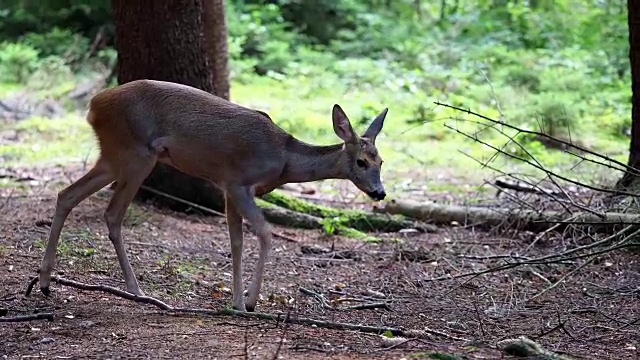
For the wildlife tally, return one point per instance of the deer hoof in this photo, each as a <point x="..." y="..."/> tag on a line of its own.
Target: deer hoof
<point x="45" y="291"/>
<point x="251" y="308"/>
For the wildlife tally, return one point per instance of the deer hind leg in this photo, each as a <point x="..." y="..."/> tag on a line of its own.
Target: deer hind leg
<point x="97" y="178"/>
<point x="138" y="167"/>
<point x="234" y="223"/>
<point x="247" y="208"/>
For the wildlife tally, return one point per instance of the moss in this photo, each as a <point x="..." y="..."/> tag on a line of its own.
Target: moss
<point x="329" y="226"/>
<point x="356" y="219"/>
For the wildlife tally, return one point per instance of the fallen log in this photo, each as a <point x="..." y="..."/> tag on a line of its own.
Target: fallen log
<point x="285" y="217"/>
<point x="518" y="219"/>
<point x="355" y="219"/>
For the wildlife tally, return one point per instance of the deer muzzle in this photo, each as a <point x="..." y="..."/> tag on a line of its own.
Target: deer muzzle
<point x="377" y="195"/>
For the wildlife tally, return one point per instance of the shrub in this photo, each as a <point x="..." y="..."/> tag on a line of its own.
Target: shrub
<point x="523" y="77"/>
<point x="17" y="61"/>
<point x="50" y="73"/>
<point x="59" y="42"/>
<point x="550" y="114"/>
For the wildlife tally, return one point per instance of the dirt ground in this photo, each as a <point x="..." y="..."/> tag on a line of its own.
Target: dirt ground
<point x="185" y="261"/>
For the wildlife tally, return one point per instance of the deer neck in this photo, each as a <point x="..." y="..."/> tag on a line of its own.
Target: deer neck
<point x="306" y="162"/>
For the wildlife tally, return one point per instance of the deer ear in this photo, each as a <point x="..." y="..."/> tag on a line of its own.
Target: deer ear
<point x="342" y="125"/>
<point x="376" y="125"/>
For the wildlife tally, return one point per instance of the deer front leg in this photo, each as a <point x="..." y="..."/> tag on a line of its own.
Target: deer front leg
<point x="130" y="179"/>
<point x="247" y="208"/>
<point x="234" y="223"/>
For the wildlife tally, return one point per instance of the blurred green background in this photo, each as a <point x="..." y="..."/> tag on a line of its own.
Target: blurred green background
<point x="556" y="66"/>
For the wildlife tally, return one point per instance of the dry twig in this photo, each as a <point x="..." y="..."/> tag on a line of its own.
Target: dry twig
<point x="556" y="258"/>
<point x="627" y="168"/>
<point x="282" y="337"/>
<point x="563" y="278"/>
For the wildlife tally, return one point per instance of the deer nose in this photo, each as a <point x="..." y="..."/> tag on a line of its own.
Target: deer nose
<point x="377" y="195"/>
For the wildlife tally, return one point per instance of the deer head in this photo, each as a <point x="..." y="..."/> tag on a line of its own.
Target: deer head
<point x="364" y="162"/>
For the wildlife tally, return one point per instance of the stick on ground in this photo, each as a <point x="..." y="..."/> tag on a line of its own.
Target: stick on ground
<point x="22" y="318"/>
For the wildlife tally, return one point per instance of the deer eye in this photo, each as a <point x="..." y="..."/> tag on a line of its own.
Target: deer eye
<point x="361" y="163"/>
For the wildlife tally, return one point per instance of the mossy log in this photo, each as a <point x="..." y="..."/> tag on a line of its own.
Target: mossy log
<point x="514" y="219"/>
<point x="285" y="217"/>
<point x="355" y="219"/>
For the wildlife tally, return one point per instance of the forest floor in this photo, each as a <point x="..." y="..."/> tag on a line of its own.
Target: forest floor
<point x="184" y="260"/>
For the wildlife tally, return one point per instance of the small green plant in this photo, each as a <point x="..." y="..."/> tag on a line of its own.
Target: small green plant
<point x="17" y="61"/>
<point x="135" y="215"/>
<point x="555" y="118"/>
<point x="548" y="113"/>
<point x="331" y="224"/>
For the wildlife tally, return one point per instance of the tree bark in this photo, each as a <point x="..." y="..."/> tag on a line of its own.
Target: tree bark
<point x="630" y="181"/>
<point x="215" y="34"/>
<point x="164" y="40"/>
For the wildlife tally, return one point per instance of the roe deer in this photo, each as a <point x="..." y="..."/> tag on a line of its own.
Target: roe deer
<point x="242" y="151"/>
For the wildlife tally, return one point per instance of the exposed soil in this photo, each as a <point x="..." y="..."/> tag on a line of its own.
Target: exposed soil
<point x="184" y="259"/>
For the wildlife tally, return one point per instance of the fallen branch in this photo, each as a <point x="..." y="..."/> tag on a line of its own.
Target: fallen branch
<point x="319" y="297"/>
<point x="378" y="305"/>
<point x="325" y="303"/>
<point x="516" y="219"/>
<point x="526" y="188"/>
<point x="22" y="318"/>
<point x="278" y="317"/>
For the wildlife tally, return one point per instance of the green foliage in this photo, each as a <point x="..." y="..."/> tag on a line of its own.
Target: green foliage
<point x="84" y="17"/>
<point x="560" y="67"/>
<point x="59" y="42"/>
<point x="260" y="33"/>
<point x="17" y="61"/>
<point x="528" y="79"/>
<point x="549" y="113"/>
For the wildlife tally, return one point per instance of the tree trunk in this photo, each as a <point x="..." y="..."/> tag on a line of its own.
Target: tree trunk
<point x="164" y="40"/>
<point x="630" y="181"/>
<point x="215" y="34"/>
